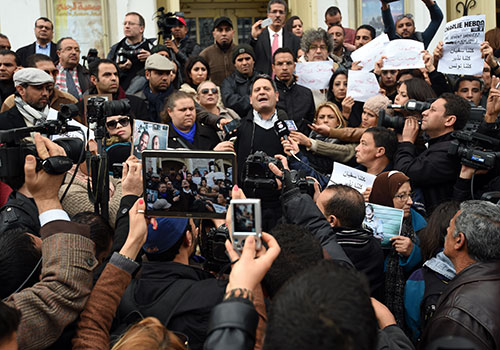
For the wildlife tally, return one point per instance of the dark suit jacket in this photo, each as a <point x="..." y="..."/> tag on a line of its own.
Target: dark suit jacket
<point x="262" y="48"/>
<point x="11" y="119"/>
<point x="26" y="51"/>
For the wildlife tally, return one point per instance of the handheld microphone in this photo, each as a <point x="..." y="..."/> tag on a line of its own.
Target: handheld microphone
<point x="281" y="129"/>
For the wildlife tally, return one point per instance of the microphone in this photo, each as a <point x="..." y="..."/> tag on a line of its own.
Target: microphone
<point x="281" y="129"/>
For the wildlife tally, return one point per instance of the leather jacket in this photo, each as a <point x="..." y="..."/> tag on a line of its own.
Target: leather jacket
<point x="469" y="308"/>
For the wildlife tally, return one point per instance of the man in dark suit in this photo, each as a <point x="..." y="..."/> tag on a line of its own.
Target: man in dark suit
<point x="34" y="88"/>
<point x="44" y="32"/>
<point x="267" y="40"/>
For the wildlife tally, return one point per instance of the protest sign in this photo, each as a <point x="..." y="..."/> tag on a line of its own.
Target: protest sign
<point x="462" y="46"/>
<point x="362" y="85"/>
<point x="403" y="54"/>
<point x="345" y="175"/>
<point x="384" y="222"/>
<point x="369" y="53"/>
<point x="314" y="75"/>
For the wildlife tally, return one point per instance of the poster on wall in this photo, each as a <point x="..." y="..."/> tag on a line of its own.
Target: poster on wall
<point x="83" y="21"/>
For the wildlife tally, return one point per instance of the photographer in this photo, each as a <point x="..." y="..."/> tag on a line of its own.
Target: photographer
<point x="484" y="180"/>
<point x="433" y="171"/>
<point x="49" y="304"/>
<point x="131" y="52"/>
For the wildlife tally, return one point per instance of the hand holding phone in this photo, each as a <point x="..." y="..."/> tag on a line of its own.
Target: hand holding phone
<point x="267" y="22"/>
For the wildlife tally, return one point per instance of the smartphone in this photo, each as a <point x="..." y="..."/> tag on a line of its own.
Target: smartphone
<point x="246" y="220"/>
<point x="231" y="126"/>
<point x="267" y="22"/>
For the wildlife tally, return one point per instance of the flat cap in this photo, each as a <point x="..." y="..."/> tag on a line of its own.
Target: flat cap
<point x="32" y="76"/>
<point x="158" y="62"/>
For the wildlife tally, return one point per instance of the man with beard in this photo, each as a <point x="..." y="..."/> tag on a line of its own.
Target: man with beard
<point x="34" y="87"/>
<point x="219" y="55"/>
<point x="340" y="54"/>
<point x="405" y="25"/>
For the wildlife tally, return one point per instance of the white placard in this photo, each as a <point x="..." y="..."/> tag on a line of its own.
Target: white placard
<point x="357" y="179"/>
<point x="362" y="85"/>
<point x="462" y="46"/>
<point x="371" y="52"/>
<point x="403" y="54"/>
<point x="314" y="75"/>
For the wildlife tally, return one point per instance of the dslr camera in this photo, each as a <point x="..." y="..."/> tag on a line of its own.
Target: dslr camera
<point x="14" y="147"/>
<point x="123" y="54"/>
<point x="98" y="109"/>
<point x="257" y="174"/>
<point x="213" y="249"/>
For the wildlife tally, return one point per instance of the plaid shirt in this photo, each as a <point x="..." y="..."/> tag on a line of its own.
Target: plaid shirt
<point x="61" y="79"/>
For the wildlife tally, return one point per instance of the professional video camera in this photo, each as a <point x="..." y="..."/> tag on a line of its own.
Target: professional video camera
<point x="14" y="148"/>
<point x="475" y="150"/>
<point x="213" y="249"/>
<point x="98" y="109"/>
<point x="398" y="122"/>
<point x="167" y="21"/>
<point x="257" y="174"/>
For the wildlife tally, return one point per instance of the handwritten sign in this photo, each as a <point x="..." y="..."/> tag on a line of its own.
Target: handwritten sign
<point x="462" y="46"/>
<point x="314" y="75"/>
<point x="403" y="54"/>
<point x="371" y="52"/>
<point x="345" y="175"/>
<point x="362" y="85"/>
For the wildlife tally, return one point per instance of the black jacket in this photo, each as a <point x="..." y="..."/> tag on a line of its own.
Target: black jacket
<point x="433" y="171"/>
<point x="298" y="103"/>
<point x="187" y="48"/>
<point x="205" y="138"/>
<point x="468" y="308"/>
<point x="235" y="92"/>
<point x="262" y="48"/>
<point x="11" y="119"/>
<point x="28" y="50"/>
<point x="159" y="281"/>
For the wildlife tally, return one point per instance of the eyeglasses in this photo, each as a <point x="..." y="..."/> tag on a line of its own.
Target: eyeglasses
<point x="403" y="197"/>
<point x="315" y="47"/>
<point x="406" y="15"/>
<point x="206" y="91"/>
<point x="113" y="123"/>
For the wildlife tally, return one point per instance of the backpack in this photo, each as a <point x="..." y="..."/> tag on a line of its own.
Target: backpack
<point x="19" y="211"/>
<point x="434" y="287"/>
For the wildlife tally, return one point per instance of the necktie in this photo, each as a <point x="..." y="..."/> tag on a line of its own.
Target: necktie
<point x="70" y="84"/>
<point x="275" y="45"/>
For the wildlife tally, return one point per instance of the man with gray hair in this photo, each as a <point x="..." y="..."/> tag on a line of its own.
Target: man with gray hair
<point x="468" y="307"/>
<point x="33" y="90"/>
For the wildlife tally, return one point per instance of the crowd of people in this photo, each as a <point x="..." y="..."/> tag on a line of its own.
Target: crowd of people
<point x="88" y="269"/>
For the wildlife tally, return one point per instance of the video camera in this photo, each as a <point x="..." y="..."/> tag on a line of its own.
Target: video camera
<point x="98" y="109"/>
<point x="475" y="150"/>
<point x="398" y="122"/>
<point x="91" y="57"/>
<point x="167" y="21"/>
<point x="213" y="249"/>
<point x="14" y="148"/>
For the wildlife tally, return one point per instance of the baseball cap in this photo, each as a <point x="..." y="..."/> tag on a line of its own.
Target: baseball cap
<point x="158" y="62"/>
<point x="31" y="76"/>
<point x="168" y="232"/>
<point x="181" y="19"/>
<point x="221" y="20"/>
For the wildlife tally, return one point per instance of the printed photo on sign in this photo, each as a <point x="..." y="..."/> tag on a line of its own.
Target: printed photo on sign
<point x="148" y="135"/>
<point x="384" y="222"/>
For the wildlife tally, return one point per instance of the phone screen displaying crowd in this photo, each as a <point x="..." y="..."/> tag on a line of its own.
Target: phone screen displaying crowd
<point x="188" y="184"/>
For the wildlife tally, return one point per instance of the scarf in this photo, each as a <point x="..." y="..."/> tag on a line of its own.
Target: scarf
<point x="189" y="136"/>
<point x="156" y="101"/>
<point x="264" y="124"/>
<point x="31" y="115"/>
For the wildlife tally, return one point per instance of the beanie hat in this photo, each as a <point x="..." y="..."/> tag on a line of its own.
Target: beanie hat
<point x="243" y="48"/>
<point x="376" y="103"/>
<point x="385" y="187"/>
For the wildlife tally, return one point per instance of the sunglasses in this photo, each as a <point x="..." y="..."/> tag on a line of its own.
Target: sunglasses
<point x="406" y="15"/>
<point x="206" y="91"/>
<point x="113" y="123"/>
